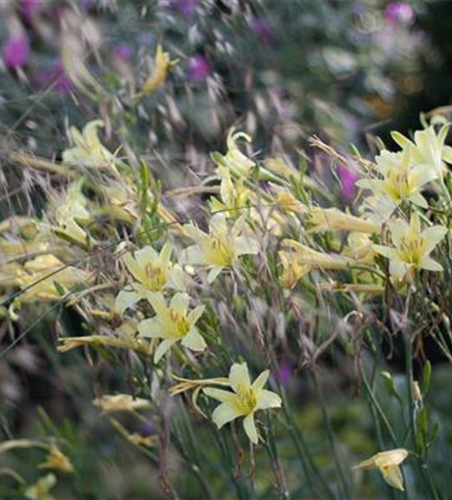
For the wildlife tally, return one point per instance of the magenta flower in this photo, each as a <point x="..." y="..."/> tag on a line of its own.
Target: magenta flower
<point x="263" y="31"/>
<point x="122" y="51"/>
<point x="56" y="77"/>
<point x="15" y="52"/>
<point x="285" y="375"/>
<point x="198" y="68"/>
<point x="30" y="8"/>
<point x="348" y="180"/>
<point x="399" y="13"/>
<point x="185" y="7"/>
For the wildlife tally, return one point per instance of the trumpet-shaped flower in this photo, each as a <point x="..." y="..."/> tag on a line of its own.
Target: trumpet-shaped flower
<point x="175" y="323"/>
<point x="429" y="150"/>
<point x="219" y="249"/>
<point x="88" y="151"/>
<point x="401" y="180"/>
<point x="412" y="247"/>
<point x="57" y="460"/>
<point x="162" y="66"/>
<point x="388" y="463"/>
<point x="41" y="489"/>
<point x="292" y="269"/>
<point x="153" y="272"/>
<point x="245" y="401"/>
<point x="120" y="402"/>
<point x="239" y="164"/>
<point x="234" y="196"/>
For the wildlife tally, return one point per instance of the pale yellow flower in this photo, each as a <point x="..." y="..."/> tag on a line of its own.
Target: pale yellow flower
<point x="41" y="489"/>
<point x="412" y="247"/>
<point x="239" y="164"/>
<point x="292" y="269"/>
<point x="219" y="249"/>
<point x="429" y="150"/>
<point x="162" y="66"/>
<point x="245" y="401"/>
<point x="154" y="273"/>
<point x="88" y="151"/>
<point x="402" y="181"/>
<point x="233" y="195"/>
<point x="312" y="259"/>
<point x="40" y="274"/>
<point x="175" y="323"/>
<point x="120" y="402"/>
<point x="332" y="219"/>
<point x="388" y="463"/>
<point x="57" y="460"/>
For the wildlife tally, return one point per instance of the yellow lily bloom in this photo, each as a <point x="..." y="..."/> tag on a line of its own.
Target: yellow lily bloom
<point x="245" y="401"/>
<point x="239" y="164"/>
<point x="311" y="259"/>
<point x="429" y="150"/>
<point x="219" y="249"/>
<point x="154" y="273"/>
<point x="234" y="196"/>
<point x="88" y="151"/>
<point x="401" y="180"/>
<point x="292" y="269"/>
<point x="120" y="402"/>
<point x="57" y="460"/>
<point x="173" y="324"/>
<point x="412" y="247"/>
<point x="388" y="463"/>
<point x="41" y="489"/>
<point x="40" y="274"/>
<point x="162" y="66"/>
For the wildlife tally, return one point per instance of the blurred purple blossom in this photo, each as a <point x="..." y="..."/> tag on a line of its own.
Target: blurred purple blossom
<point x="185" y="7"/>
<point x="263" y="31"/>
<point x="284" y="374"/>
<point x="30" y="8"/>
<point x="399" y="13"/>
<point x="57" y="77"/>
<point x="123" y="51"/>
<point x="147" y="428"/>
<point x="15" y="51"/>
<point x="348" y="180"/>
<point x="198" y="68"/>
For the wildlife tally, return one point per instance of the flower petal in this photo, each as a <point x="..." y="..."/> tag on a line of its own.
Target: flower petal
<point x="194" y="340"/>
<point x="151" y="328"/>
<point x="250" y="428"/>
<point x="180" y="302"/>
<point x="214" y="273"/>
<point x="224" y="413"/>
<point x="268" y="399"/>
<point x="163" y="348"/>
<point x="393" y="476"/>
<point x="219" y="394"/>
<point x="261" y="380"/>
<point x="246" y="246"/>
<point x="239" y="375"/>
<point x="126" y="299"/>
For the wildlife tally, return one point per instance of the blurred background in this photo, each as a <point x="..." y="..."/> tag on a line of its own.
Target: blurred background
<point x="346" y="71"/>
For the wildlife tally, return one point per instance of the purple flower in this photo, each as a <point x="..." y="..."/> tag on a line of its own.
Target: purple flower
<point x="147" y="428"/>
<point x="348" y="180"/>
<point x="198" y="68"/>
<point x="399" y="13"/>
<point x="15" y="52"/>
<point x="284" y="374"/>
<point x="263" y="31"/>
<point x="56" y="77"/>
<point x="30" y="8"/>
<point x="185" y="7"/>
<point x="122" y="51"/>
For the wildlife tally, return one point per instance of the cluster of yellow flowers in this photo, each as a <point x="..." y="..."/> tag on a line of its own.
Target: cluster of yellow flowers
<point x="387" y="223"/>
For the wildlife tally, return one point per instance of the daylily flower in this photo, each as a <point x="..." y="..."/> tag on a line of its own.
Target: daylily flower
<point x="245" y="401"/>
<point x="412" y="247"/>
<point x="154" y="273"/>
<point x="234" y="159"/>
<point x="57" y="460"/>
<point x="162" y="66"/>
<point x="175" y="323"/>
<point x="292" y="269"/>
<point x="219" y="249"/>
<point x="308" y="259"/>
<point x="234" y="196"/>
<point x="41" y="489"/>
<point x="388" y="463"/>
<point x="401" y="180"/>
<point x="429" y="149"/>
<point x="120" y="402"/>
<point x="88" y="150"/>
<point x="40" y="274"/>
